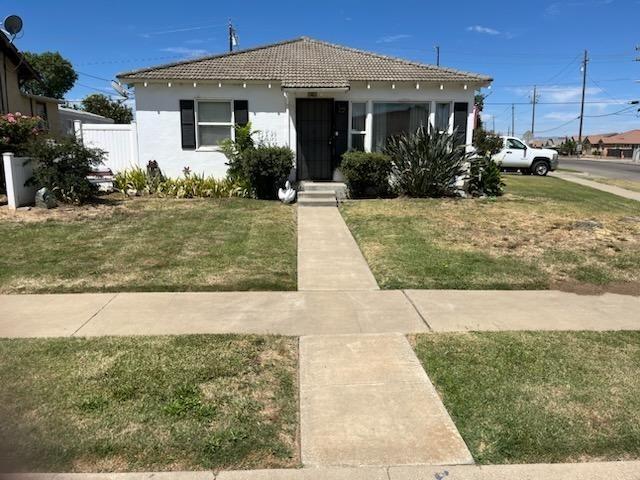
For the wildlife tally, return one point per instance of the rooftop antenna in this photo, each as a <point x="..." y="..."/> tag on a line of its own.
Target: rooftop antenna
<point x="117" y="86"/>
<point x="12" y="26"/>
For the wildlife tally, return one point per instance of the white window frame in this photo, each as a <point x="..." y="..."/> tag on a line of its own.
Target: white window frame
<point x="231" y="125"/>
<point x="358" y="132"/>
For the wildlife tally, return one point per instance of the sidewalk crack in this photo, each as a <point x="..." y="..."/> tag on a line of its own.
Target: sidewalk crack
<point x="94" y="315"/>
<point x="424" y="320"/>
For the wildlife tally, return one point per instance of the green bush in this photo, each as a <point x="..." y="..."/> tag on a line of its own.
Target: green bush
<point x="132" y="179"/>
<point x="190" y="186"/>
<point x="366" y="174"/>
<point x="485" y="178"/>
<point x="234" y="151"/>
<point x="425" y="164"/>
<point x="62" y="166"/>
<point x="17" y="131"/>
<point x="267" y="168"/>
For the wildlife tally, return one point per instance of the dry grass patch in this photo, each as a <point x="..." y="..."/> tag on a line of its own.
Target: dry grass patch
<point x="616" y="182"/>
<point x="150" y="244"/>
<point x="538" y="397"/>
<point x="148" y="403"/>
<point x="543" y="232"/>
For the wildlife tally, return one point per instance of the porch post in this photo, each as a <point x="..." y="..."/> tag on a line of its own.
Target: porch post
<point x="368" y="126"/>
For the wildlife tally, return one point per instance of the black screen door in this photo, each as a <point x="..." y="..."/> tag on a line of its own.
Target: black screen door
<point x="460" y="117"/>
<point x="314" y="127"/>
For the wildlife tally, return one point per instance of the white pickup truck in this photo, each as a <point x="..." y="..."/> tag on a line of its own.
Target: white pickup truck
<point x="516" y="155"/>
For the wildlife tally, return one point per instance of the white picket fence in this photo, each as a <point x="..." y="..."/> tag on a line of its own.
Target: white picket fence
<point x="120" y="142"/>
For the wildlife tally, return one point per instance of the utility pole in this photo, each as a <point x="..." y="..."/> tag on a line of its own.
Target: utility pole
<point x="534" y="100"/>
<point x="437" y="47"/>
<point x="584" y="89"/>
<point x="233" y="40"/>
<point x="513" y="119"/>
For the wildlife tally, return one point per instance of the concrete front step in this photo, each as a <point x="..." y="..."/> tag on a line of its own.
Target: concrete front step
<point x="323" y="194"/>
<point x="339" y="188"/>
<point x="317" y="202"/>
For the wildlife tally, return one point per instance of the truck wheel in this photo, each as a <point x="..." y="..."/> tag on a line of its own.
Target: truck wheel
<point x="540" y="168"/>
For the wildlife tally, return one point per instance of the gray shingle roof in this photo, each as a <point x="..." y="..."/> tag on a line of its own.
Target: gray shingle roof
<point x="303" y="62"/>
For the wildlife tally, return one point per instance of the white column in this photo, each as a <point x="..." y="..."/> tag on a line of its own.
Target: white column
<point x="368" y="126"/>
<point x="17" y="170"/>
<point x="77" y="128"/>
<point x="470" y="119"/>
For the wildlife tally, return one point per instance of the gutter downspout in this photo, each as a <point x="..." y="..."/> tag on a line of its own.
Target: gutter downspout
<point x="288" y="115"/>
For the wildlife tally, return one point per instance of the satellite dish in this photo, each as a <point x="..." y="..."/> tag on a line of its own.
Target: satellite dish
<point x="117" y="86"/>
<point x="13" y="25"/>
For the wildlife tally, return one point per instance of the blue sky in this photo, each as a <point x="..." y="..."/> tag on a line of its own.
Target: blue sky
<point x="518" y="43"/>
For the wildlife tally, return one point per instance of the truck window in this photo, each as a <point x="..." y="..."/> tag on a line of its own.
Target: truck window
<point x="516" y="144"/>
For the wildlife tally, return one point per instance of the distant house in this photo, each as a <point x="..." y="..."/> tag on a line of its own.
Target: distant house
<point x="68" y="117"/>
<point x="593" y="144"/>
<point x="318" y="98"/>
<point x="621" y="145"/>
<point x="14" y="71"/>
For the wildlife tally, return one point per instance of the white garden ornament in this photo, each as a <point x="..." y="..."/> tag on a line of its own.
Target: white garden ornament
<point x="288" y="195"/>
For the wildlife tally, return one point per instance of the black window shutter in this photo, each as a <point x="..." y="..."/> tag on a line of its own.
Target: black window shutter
<point x="241" y="112"/>
<point x="188" y="124"/>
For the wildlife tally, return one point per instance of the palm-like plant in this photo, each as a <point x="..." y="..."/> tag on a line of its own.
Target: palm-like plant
<point x="426" y="164"/>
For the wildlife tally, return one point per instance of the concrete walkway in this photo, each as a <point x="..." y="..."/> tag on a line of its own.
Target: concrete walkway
<point x="621" y="192"/>
<point x="312" y="313"/>
<point x="562" y="471"/>
<point x="328" y="256"/>
<point x="366" y="400"/>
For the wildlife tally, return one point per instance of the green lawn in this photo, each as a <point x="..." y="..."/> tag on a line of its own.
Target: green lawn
<point x="148" y="403"/>
<point x="544" y="233"/>
<point x="632" y="185"/>
<point x="539" y="397"/>
<point x="150" y="244"/>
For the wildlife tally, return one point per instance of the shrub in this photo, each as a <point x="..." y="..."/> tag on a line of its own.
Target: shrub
<point x="62" y="166"/>
<point x="191" y="185"/>
<point x="485" y="178"/>
<point x="267" y="168"/>
<point x="366" y="174"/>
<point x="425" y="164"/>
<point x="234" y="151"/>
<point x="132" y="179"/>
<point x="17" y="131"/>
<point x="199" y="186"/>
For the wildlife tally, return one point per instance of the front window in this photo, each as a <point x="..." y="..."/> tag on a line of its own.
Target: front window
<point x="515" y="144"/>
<point x="391" y="119"/>
<point x="358" y="122"/>
<point x="214" y="122"/>
<point x="443" y="112"/>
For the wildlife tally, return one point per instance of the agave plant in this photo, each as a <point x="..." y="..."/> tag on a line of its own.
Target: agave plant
<point x="426" y="164"/>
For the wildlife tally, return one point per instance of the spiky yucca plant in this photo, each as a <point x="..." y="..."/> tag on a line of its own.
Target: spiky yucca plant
<point x="425" y="164"/>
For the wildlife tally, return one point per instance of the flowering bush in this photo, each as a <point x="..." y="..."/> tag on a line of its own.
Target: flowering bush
<point x="17" y="131"/>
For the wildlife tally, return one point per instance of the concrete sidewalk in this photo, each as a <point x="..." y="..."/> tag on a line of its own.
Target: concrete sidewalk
<point x="328" y="256"/>
<point x="563" y="471"/>
<point x="312" y="313"/>
<point x="621" y="192"/>
<point x="366" y="400"/>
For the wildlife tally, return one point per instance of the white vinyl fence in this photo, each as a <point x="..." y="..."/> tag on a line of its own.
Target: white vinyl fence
<point x="120" y="142"/>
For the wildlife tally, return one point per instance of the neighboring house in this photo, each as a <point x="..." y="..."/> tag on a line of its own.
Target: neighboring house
<point x="318" y="98"/>
<point x="548" y="142"/>
<point x="593" y="144"/>
<point x="621" y="145"/>
<point x="14" y="71"/>
<point x="68" y="117"/>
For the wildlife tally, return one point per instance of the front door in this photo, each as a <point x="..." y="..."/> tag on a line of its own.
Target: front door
<point x="315" y="134"/>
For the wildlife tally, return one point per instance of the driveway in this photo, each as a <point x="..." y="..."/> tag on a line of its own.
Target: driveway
<point x="600" y="168"/>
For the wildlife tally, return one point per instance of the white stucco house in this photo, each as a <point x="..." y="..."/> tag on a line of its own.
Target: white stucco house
<point x="318" y="98"/>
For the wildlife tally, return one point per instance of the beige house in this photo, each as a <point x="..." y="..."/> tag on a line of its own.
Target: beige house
<point x="14" y="71"/>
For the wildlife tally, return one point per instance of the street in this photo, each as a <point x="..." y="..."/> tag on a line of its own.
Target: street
<point x="599" y="168"/>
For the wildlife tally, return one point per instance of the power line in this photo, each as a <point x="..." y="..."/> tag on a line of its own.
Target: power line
<point x="559" y="126"/>
<point x="600" y="102"/>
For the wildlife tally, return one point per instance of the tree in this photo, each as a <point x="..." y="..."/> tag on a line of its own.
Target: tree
<point x="58" y="75"/>
<point x="479" y="103"/>
<point x="102" y="105"/>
